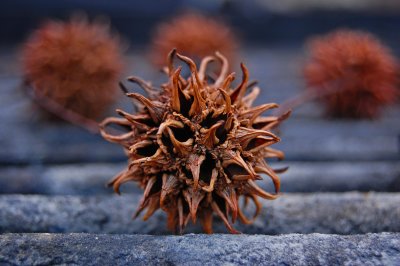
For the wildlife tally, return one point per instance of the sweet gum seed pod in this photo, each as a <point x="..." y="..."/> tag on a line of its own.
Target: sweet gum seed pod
<point x="76" y="64"/>
<point x="194" y="35"/>
<point x="196" y="146"/>
<point x="353" y="72"/>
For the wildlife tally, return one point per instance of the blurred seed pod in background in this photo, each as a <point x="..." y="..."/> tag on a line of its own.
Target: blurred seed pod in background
<point x="194" y="35"/>
<point x="353" y="73"/>
<point x="75" y="65"/>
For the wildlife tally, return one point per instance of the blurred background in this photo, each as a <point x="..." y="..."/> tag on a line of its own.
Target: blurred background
<point x="48" y="158"/>
<point x="257" y="21"/>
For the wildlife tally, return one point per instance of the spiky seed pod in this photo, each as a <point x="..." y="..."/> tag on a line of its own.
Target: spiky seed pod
<point x="195" y="147"/>
<point x="76" y="64"/>
<point x="195" y="35"/>
<point x="354" y="73"/>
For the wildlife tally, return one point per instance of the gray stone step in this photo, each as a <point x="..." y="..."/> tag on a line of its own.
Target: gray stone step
<point x="291" y="249"/>
<point x="333" y="213"/>
<point x="340" y="176"/>
<point x="41" y="143"/>
<point x="88" y="179"/>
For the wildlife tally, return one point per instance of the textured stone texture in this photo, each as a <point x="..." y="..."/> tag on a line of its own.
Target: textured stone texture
<point x="88" y="179"/>
<point x="293" y="249"/>
<point x="37" y="144"/>
<point x="340" y="176"/>
<point x="336" y="213"/>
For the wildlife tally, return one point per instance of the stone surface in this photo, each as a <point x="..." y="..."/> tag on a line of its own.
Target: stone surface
<point x="74" y="179"/>
<point x="90" y="179"/>
<point x="60" y="144"/>
<point x="340" y="176"/>
<point x="293" y="249"/>
<point x="333" y="213"/>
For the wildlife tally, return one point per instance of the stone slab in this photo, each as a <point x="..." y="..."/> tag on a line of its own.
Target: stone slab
<point x="331" y="213"/>
<point x="292" y="249"/>
<point x="91" y="179"/>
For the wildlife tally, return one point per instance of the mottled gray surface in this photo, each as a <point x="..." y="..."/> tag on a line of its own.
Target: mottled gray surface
<point x="334" y="213"/>
<point x="73" y="179"/>
<point x="37" y="144"/>
<point x="340" y="176"/>
<point x="293" y="249"/>
<point x="89" y="179"/>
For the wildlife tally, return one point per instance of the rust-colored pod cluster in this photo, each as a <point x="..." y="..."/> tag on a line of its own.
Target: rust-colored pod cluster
<point x="353" y="72"/>
<point x="195" y="35"/>
<point x="74" y="64"/>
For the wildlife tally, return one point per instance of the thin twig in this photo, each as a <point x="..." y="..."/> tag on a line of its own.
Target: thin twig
<point x="60" y="111"/>
<point x="308" y="95"/>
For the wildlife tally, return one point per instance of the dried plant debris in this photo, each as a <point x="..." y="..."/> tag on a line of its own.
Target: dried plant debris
<point x="353" y="72"/>
<point x="194" y="35"/>
<point x="75" y="64"/>
<point x="196" y="146"/>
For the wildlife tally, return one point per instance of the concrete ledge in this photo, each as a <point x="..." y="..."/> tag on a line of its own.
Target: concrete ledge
<point x="89" y="179"/>
<point x="41" y="144"/>
<point x="91" y="249"/>
<point x="332" y="213"/>
<point x="340" y="176"/>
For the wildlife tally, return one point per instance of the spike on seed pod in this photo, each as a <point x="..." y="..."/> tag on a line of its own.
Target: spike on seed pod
<point x="75" y="64"/>
<point x="197" y="147"/>
<point x="353" y="73"/>
<point x="194" y="35"/>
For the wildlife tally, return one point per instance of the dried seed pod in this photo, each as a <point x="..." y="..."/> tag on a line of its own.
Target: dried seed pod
<point x="196" y="146"/>
<point x="194" y="35"/>
<point x="353" y="72"/>
<point x="75" y="64"/>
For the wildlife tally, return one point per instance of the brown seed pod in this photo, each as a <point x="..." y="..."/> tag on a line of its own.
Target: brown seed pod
<point x="195" y="35"/>
<point x="196" y="147"/>
<point x="353" y="72"/>
<point x="75" y="64"/>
